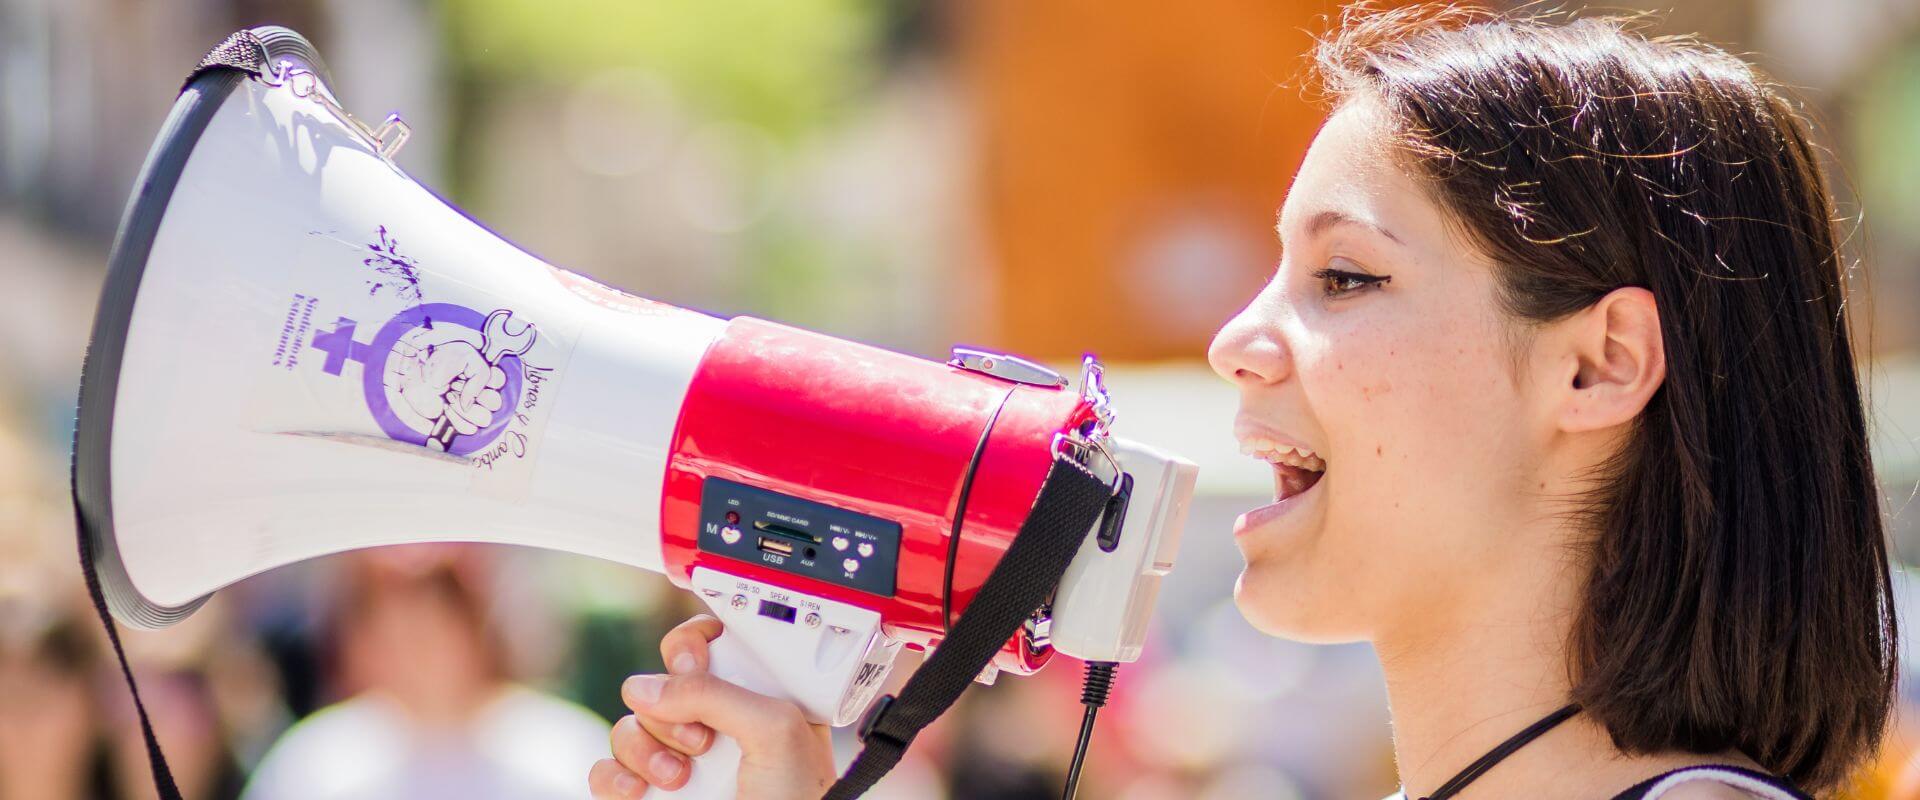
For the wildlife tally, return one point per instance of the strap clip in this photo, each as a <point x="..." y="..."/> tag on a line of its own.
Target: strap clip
<point x="870" y="722"/>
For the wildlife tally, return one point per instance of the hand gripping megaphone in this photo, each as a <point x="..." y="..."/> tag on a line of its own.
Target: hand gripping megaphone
<point x="301" y="351"/>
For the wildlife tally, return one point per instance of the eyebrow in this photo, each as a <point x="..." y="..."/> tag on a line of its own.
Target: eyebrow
<point x="1328" y="218"/>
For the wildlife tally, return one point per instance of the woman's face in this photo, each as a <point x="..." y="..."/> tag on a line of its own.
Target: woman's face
<point x="1378" y="348"/>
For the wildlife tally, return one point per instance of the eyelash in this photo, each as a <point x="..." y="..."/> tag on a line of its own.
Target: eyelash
<point x="1350" y="281"/>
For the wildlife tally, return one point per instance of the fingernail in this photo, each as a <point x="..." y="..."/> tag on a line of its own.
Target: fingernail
<point x="626" y="785"/>
<point x="690" y="735"/>
<point x="683" y="664"/>
<point x="664" y="767"/>
<point x="643" y="688"/>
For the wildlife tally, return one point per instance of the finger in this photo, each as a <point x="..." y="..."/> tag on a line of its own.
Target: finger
<point x="645" y="756"/>
<point x="759" y="723"/>
<point x="610" y="781"/>
<point x="463" y="408"/>
<point x="488" y="399"/>
<point x="684" y="649"/>
<point x="461" y="424"/>
<point x="497" y="379"/>
<point x="687" y="738"/>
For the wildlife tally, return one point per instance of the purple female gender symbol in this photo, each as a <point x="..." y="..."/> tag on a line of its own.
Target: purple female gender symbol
<point x="374" y="369"/>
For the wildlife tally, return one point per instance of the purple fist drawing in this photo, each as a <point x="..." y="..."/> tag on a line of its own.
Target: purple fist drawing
<point x="441" y="380"/>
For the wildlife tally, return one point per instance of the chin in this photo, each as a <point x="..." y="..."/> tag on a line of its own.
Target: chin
<point x="1279" y="605"/>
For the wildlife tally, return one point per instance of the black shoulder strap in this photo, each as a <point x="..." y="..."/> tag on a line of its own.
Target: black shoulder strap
<point x="162" y="777"/>
<point x="1070" y="502"/>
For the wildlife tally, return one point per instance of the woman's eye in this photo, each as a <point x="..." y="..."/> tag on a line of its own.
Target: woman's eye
<point x="1336" y="282"/>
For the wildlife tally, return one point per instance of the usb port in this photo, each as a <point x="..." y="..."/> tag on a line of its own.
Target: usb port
<point x="779" y="547"/>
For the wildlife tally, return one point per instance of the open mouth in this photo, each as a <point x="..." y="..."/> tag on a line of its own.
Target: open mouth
<point x="1295" y="469"/>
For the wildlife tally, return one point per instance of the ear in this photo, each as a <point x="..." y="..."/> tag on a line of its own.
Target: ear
<point x="1613" y="361"/>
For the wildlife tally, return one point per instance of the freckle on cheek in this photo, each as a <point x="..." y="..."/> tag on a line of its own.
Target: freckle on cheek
<point x="1377" y="449"/>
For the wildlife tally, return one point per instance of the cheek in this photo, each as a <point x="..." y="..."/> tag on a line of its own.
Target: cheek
<point x="1413" y="413"/>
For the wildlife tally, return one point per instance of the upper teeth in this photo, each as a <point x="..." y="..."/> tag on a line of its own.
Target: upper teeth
<point x="1274" y="452"/>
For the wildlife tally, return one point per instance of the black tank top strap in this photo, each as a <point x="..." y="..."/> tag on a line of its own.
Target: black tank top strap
<point x="1759" y="784"/>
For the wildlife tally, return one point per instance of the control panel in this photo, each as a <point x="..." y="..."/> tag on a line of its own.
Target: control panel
<point x="790" y="534"/>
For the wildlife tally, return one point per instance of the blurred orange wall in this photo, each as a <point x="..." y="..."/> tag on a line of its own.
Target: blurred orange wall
<point x="1132" y="156"/>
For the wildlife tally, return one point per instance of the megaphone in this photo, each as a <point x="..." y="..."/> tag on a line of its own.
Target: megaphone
<point x="299" y="351"/>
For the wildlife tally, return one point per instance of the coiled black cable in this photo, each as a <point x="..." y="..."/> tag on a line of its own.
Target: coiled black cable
<point x="1093" y="695"/>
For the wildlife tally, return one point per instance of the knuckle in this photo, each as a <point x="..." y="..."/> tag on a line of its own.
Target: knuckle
<point x="691" y="738"/>
<point x="788" y="721"/>
<point x="617" y="733"/>
<point x="667" y="770"/>
<point x="631" y="744"/>
<point x="685" y="630"/>
<point x="696" y="626"/>
<point x="643" y="692"/>
<point x="600" y="778"/>
<point x="622" y="733"/>
<point x="693" y="689"/>
<point x="596" y="778"/>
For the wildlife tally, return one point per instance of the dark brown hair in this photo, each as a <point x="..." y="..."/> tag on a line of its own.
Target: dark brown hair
<point x="1739" y="597"/>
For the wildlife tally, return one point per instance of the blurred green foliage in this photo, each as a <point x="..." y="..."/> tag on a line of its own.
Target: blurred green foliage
<point x="784" y="66"/>
<point x="1887" y="164"/>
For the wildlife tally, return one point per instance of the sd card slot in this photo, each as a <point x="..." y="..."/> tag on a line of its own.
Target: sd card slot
<point x="781" y="530"/>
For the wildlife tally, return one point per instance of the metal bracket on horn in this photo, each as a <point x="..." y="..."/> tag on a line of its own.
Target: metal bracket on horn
<point x="386" y="139"/>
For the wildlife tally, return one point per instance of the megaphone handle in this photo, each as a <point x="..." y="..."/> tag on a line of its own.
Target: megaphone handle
<point x="714" y="773"/>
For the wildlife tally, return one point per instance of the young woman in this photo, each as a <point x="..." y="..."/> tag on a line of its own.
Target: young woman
<point x="1555" y="378"/>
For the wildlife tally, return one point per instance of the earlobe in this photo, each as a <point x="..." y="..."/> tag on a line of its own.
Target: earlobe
<point x="1621" y="360"/>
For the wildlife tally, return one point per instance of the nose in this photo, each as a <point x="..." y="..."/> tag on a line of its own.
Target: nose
<point x="1249" y="352"/>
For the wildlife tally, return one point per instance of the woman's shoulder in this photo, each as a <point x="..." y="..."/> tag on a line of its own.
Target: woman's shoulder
<point x="1712" y="783"/>
<point x="1705" y="783"/>
<point x="1708" y="789"/>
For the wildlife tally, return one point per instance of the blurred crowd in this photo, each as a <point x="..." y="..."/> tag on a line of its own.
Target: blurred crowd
<point x="910" y="174"/>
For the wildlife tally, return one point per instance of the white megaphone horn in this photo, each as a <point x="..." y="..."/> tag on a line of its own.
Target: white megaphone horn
<point x="300" y="351"/>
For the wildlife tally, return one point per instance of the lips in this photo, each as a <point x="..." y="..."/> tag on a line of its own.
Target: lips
<point x="1269" y="515"/>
